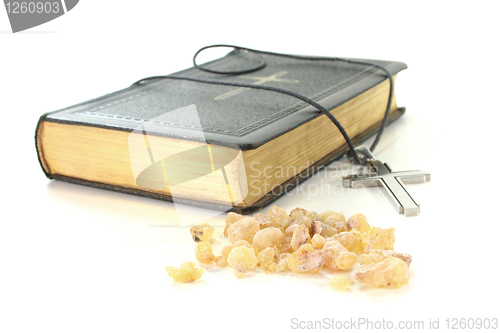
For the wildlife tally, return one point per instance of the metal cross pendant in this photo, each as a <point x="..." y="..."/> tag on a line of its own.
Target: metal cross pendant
<point x="381" y="175"/>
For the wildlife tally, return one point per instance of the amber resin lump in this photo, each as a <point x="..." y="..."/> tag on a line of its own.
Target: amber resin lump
<point x="221" y="261"/>
<point x="359" y="222"/>
<point x="244" y="229"/>
<point x="352" y="240"/>
<point x="297" y="212"/>
<point x="306" y="260"/>
<point x="337" y="256"/>
<point x="264" y="221"/>
<point x="204" y="253"/>
<point x="202" y="233"/>
<point x="338" y="221"/>
<point x="186" y="273"/>
<point x="277" y="215"/>
<point x="381" y="239"/>
<point x="230" y="219"/>
<point x="340" y="282"/>
<point x="376" y="256"/>
<point x="318" y="241"/>
<point x="268" y="237"/>
<point x="282" y="264"/>
<point x="265" y="260"/>
<point x="242" y="259"/>
<point x="392" y="272"/>
<point x="300" y="236"/>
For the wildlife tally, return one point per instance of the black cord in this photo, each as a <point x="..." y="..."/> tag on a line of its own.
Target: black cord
<point x="262" y="64"/>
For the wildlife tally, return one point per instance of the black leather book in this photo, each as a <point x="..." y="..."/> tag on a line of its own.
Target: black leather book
<point x="214" y="146"/>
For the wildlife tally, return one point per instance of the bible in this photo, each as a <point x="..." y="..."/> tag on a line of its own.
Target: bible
<point x="212" y="146"/>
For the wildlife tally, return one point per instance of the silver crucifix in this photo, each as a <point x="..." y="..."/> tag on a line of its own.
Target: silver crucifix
<point x="381" y="175"/>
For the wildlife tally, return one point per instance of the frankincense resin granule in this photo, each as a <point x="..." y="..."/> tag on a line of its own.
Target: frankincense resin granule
<point x="302" y="242"/>
<point x="186" y="273"/>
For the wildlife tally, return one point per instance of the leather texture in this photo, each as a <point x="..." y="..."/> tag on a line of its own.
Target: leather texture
<point x="225" y="115"/>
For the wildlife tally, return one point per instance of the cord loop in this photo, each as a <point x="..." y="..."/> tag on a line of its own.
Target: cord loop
<point x="257" y="67"/>
<point x="355" y="158"/>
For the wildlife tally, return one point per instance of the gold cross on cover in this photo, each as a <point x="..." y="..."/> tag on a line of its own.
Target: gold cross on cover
<point x="260" y="80"/>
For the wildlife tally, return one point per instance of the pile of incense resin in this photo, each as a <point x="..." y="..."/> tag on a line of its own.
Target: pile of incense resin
<point x="301" y="242"/>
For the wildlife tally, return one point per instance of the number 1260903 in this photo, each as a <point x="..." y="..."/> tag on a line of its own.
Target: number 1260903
<point x="471" y="323"/>
<point x="33" y="7"/>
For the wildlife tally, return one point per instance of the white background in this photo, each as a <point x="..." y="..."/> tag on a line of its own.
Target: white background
<point x="78" y="259"/>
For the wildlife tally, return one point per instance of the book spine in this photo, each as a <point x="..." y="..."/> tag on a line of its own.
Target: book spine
<point x="39" y="148"/>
